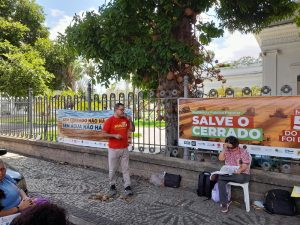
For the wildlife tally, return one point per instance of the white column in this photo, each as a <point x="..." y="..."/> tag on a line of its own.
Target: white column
<point x="270" y="71"/>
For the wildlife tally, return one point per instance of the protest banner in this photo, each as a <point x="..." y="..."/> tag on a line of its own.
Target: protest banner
<point x="83" y="127"/>
<point x="264" y="125"/>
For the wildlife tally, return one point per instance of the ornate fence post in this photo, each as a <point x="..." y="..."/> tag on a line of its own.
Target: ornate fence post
<point x="30" y="108"/>
<point x="185" y="95"/>
<point x="89" y="96"/>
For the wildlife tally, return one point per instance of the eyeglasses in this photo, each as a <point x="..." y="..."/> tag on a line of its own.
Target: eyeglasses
<point x="232" y="147"/>
<point x="122" y="109"/>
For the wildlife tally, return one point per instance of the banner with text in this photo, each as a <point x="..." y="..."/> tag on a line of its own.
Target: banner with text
<point x="83" y="127"/>
<point x="264" y="125"/>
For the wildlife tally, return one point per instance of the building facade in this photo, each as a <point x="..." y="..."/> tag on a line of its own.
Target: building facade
<point x="237" y="77"/>
<point x="280" y="50"/>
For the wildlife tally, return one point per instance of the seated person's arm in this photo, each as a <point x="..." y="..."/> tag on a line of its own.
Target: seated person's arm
<point x="23" y="194"/>
<point x="244" y="162"/>
<point x="24" y="204"/>
<point x="243" y="167"/>
<point x="222" y="154"/>
<point x="8" y="212"/>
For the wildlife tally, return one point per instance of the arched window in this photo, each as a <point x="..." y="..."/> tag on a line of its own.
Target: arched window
<point x="298" y="85"/>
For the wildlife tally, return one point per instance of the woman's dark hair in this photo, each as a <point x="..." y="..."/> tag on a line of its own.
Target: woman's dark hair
<point x="44" y="214"/>
<point x="232" y="140"/>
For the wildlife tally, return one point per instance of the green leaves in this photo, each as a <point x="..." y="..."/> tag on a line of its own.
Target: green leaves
<point x="151" y="37"/>
<point x="208" y="31"/>
<point x="253" y="16"/>
<point x="297" y="19"/>
<point x="12" y="31"/>
<point x="27" y="16"/>
<point x="28" y="58"/>
<point x="124" y="40"/>
<point x="23" y="68"/>
<point x="21" y="65"/>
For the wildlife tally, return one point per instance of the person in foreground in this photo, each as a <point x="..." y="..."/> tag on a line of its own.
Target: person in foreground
<point x="12" y="199"/>
<point x="44" y="214"/>
<point x="233" y="155"/>
<point x="116" y="128"/>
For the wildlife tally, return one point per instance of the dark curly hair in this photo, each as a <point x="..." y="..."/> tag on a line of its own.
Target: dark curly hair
<point x="44" y="214"/>
<point x="232" y="140"/>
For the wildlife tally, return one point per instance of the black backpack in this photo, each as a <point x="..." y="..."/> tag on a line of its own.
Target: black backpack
<point x="280" y="202"/>
<point x="205" y="185"/>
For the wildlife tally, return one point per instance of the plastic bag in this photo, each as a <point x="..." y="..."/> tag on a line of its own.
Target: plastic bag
<point x="215" y="195"/>
<point x="157" y="179"/>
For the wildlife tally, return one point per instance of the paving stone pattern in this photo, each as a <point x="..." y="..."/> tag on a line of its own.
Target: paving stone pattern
<point x="71" y="186"/>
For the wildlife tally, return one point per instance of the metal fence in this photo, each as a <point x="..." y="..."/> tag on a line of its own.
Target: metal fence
<point x="35" y="116"/>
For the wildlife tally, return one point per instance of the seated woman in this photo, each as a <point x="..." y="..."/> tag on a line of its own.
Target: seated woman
<point x="12" y="199"/>
<point x="233" y="156"/>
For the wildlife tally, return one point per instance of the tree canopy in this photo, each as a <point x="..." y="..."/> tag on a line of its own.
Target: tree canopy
<point x="150" y="39"/>
<point x="25" y="16"/>
<point x="21" y="66"/>
<point x="60" y="60"/>
<point x="28" y="58"/>
<point x="297" y="19"/>
<point x="20" y="69"/>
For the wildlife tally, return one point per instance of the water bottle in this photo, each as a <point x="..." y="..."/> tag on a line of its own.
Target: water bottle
<point x="193" y="156"/>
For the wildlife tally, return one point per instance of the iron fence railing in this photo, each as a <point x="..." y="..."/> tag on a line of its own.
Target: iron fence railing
<point x="35" y="116"/>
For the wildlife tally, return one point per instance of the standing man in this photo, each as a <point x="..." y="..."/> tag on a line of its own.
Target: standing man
<point x="116" y="128"/>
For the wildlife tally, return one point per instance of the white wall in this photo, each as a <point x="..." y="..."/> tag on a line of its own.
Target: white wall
<point x="280" y="47"/>
<point x="243" y="76"/>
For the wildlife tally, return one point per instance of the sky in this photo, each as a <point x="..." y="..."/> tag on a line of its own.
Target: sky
<point x="59" y="14"/>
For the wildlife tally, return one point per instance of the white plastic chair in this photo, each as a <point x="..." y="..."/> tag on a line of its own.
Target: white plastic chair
<point x="245" y="187"/>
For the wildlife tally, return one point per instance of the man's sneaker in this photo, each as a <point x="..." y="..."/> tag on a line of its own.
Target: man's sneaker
<point x="128" y="191"/>
<point x="225" y="207"/>
<point x="112" y="190"/>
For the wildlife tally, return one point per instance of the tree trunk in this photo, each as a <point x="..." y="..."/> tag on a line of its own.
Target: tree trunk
<point x="172" y="86"/>
<point x="171" y="128"/>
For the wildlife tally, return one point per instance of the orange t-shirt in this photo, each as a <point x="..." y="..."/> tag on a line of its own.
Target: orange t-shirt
<point x="114" y="125"/>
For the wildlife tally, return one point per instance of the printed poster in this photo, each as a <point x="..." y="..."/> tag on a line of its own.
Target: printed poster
<point x="84" y="127"/>
<point x="264" y="125"/>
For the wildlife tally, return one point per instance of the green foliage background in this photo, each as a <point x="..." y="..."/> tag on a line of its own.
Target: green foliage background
<point x="137" y="39"/>
<point x="28" y="58"/>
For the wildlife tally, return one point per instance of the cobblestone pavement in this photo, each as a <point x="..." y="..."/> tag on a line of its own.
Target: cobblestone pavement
<point x="71" y="187"/>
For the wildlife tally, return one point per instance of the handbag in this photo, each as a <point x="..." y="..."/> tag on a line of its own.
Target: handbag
<point x="172" y="180"/>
